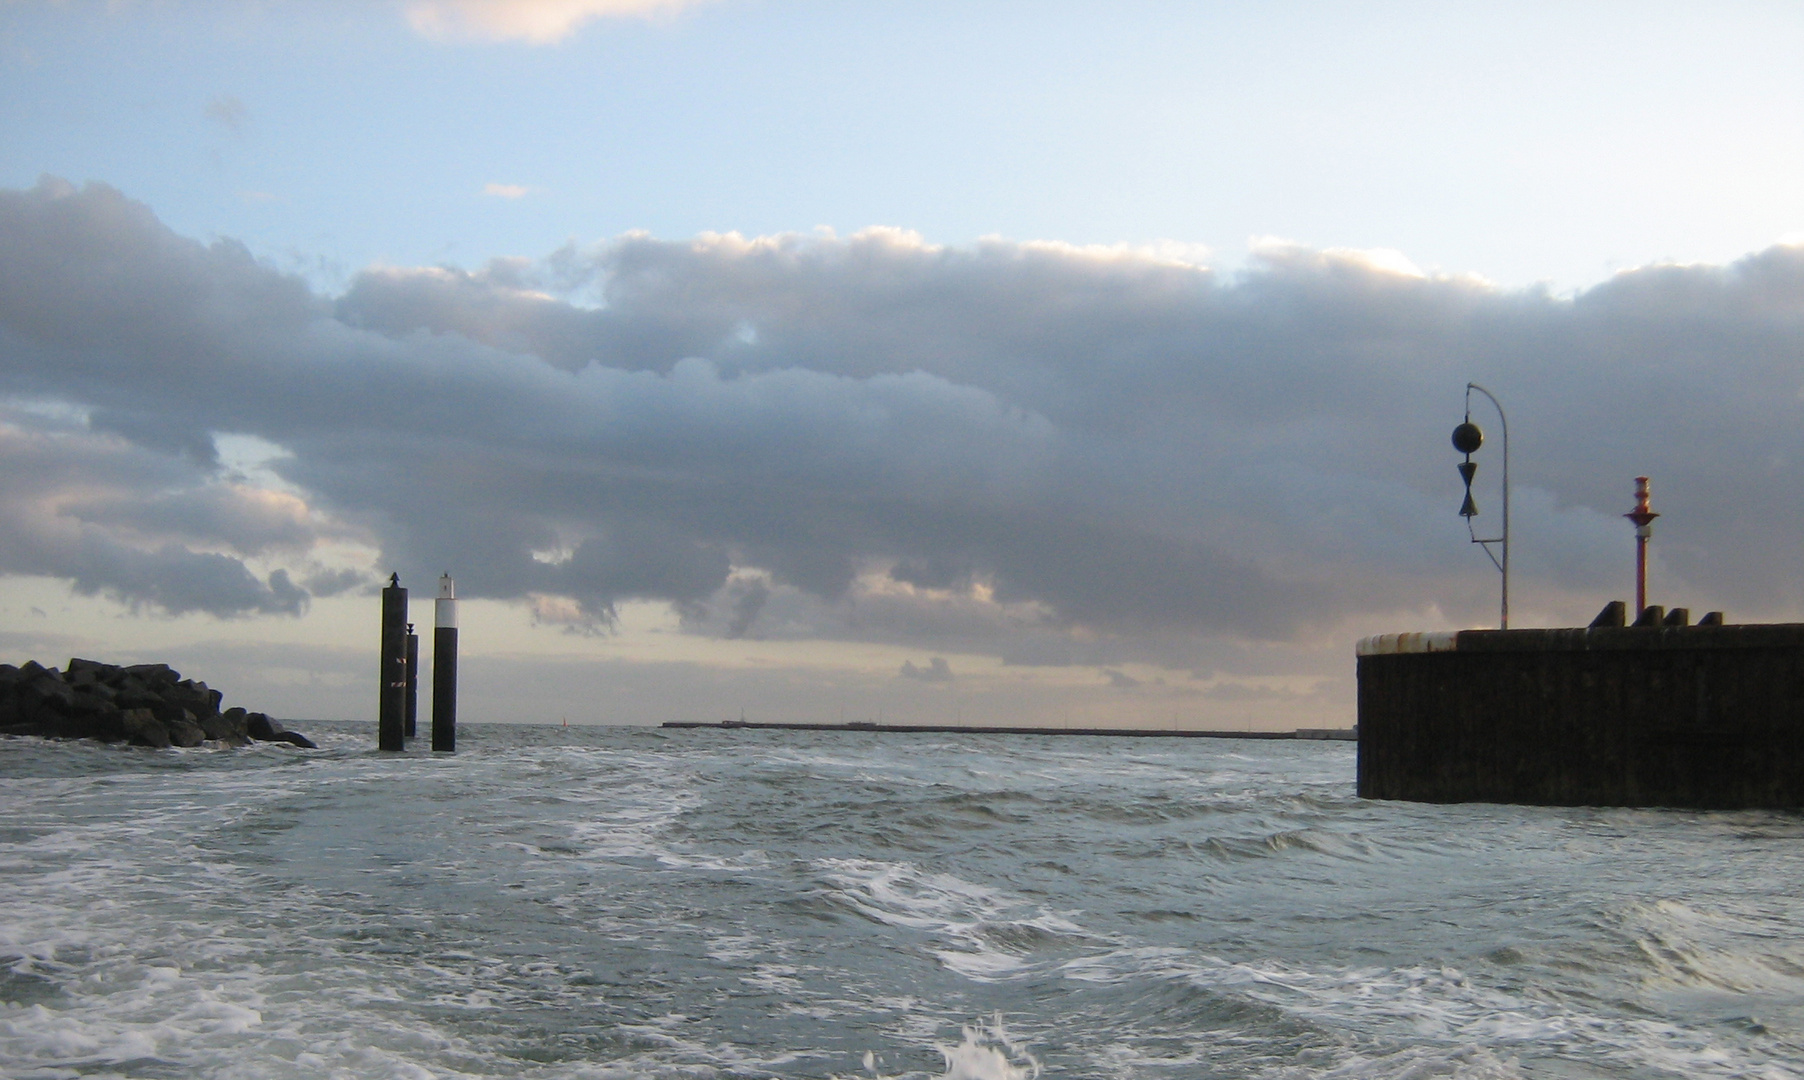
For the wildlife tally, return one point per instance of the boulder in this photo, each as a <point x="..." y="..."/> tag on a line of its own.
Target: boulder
<point x="85" y="716"/>
<point x="107" y="723"/>
<point x="98" y="690"/>
<point x="171" y="711"/>
<point x="44" y="690"/>
<point x="143" y="727"/>
<point x="186" y="730"/>
<point x="264" y="729"/>
<point x="131" y="695"/>
<point x="155" y="674"/>
<point x="195" y="697"/>
<point x="226" y="728"/>
<point x="146" y="704"/>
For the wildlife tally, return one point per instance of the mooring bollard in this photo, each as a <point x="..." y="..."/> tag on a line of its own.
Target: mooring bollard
<point x="444" y="666"/>
<point x="392" y="703"/>
<point x="412" y="712"/>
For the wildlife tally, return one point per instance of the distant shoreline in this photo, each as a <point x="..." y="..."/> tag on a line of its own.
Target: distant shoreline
<point x="1323" y="734"/>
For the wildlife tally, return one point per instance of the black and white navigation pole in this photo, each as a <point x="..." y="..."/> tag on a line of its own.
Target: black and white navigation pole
<point x="410" y="725"/>
<point x="392" y="704"/>
<point x="444" y="666"/>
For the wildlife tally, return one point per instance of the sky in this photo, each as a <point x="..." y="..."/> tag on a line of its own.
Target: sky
<point x="1056" y="363"/>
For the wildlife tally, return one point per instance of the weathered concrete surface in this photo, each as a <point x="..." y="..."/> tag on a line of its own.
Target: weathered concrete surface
<point x="1699" y="716"/>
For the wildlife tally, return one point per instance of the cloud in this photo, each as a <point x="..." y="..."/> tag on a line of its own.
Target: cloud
<point x="248" y="519"/>
<point x="228" y="112"/>
<point x="538" y="22"/>
<point x="505" y="191"/>
<point x="324" y="583"/>
<point x="746" y="605"/>
<point x="1044" y="453"/>
<point x="936" y="671"/>
<point x="1120" y="680"/>
<point x="148" y="530"/>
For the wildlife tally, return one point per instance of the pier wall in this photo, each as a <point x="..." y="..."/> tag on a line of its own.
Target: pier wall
<point x="1686" y="716"/>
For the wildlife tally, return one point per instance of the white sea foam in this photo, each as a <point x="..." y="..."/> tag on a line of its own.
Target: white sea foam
<point x="700" y="907"/>
<point x="966" y="915"/>
<point x="985" y="1051"/>
<point x="1442" y="1008"/>
<point x="1716" y="950"/>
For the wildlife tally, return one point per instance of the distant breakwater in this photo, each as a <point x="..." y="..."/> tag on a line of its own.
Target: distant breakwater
<point x="143" y="704"/>
<point x="1336" y="734"/>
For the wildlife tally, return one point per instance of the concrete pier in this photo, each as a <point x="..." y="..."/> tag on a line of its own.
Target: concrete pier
<point x="1706" y="716"/>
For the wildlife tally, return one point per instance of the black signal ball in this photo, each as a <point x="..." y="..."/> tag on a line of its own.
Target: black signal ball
<point x="1467" y="437"/>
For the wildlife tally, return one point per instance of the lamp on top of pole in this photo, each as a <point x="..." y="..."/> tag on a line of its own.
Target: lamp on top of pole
<point x="1643" y="516"/>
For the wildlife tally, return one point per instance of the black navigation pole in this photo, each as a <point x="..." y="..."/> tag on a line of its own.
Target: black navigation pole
<point x="392" y="703"/>
<point x="1467" y="438"/>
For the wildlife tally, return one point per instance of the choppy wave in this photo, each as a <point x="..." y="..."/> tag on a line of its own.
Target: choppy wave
<point x="605" y="903"/>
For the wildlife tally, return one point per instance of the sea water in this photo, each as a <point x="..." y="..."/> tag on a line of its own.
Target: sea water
<point x="591" y="902"/>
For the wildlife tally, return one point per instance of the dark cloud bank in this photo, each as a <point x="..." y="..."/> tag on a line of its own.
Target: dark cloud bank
<point x="981" y="447"/>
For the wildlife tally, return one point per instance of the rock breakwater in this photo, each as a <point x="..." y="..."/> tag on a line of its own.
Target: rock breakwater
<point x="144" y="704"/>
